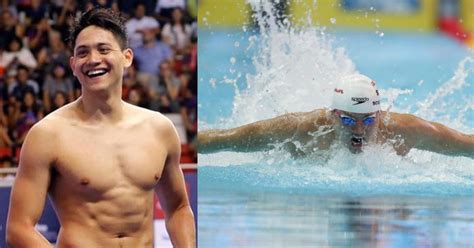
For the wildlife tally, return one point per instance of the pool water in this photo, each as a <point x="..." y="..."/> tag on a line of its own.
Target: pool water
<point x="333" y="198"/>
<point x="268" y="219"/>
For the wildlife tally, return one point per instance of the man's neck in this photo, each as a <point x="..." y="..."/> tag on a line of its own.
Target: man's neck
<point x="101" y="107"/>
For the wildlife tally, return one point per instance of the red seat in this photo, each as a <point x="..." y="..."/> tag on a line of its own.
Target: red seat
<point x="5" y="152"/>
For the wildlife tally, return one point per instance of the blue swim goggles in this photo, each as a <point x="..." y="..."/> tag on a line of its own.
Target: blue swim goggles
<point x="349" y="121"/>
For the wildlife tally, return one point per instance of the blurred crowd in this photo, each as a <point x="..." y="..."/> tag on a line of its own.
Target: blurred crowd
<point x="35" y="77"/>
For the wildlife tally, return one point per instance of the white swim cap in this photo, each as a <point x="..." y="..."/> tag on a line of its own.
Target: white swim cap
<point x="357" y="94"/>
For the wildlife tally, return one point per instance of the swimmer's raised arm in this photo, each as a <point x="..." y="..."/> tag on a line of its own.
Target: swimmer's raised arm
<point x="171" y="191"/>
<point x="30" y="189"/>
<point x="257" y="136"/>
<point x="435" y="137"/>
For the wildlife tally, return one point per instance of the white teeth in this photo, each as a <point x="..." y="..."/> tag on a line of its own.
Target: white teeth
<point x="95" y="72"/>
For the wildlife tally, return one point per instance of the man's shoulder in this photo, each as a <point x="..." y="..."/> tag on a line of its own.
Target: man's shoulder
<point x="146" y="116"/>
<point x="307" y="121"/>
<point x="59" y="117"/>
<point x="399" y="119"/>
<point x="318" y="116"/>
<point x="44" y="130"/>
<point x="403" y="123"/>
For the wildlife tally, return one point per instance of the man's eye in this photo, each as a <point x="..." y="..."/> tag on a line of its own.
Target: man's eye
<point x="104" y="50"/>
<point x="81" y="54"/>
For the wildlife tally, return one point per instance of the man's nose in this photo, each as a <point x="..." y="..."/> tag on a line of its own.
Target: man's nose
<point x="358" y="128"/>
<point x="94" y="57"/>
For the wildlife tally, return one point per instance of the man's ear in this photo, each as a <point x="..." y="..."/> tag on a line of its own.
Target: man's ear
<point x="128" y="54"/>
<point x="72" y="63"/>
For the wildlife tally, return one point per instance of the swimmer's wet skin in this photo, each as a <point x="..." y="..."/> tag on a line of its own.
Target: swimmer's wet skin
<point x="355" y="120"/>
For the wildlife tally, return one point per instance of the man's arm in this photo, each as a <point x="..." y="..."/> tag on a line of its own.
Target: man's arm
<point x="171" y="191"/>
<point x="257" y="136"/>
<point x="435" y="137"/>
<point x="29" y="190"/>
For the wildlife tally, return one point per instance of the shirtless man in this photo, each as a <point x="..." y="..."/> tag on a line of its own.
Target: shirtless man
<point x="354" y="121"/>
<point x="99" y="158"/>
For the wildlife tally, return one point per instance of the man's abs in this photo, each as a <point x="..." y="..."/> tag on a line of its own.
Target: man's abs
<point x="106" y="223"/>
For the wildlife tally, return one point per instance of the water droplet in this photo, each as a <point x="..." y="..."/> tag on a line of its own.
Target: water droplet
<point x="332" y="20"/>
<point x="232" y="60"/>
<point x="381" y="34"/>
<point x="213" y="81"/>
<point x="236" y="44"/>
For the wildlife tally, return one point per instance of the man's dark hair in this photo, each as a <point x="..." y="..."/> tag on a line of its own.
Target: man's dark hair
<point x="104" y="18"/>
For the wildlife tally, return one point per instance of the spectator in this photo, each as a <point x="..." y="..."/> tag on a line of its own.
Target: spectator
<point x="55" y="82"/>
<point x="7" y="5"/>
<point x="37" y="10"/>
<point x="38" y="34"/>
<point x="8" y="27"/>
<point x="5" y="142"/>
<point x="3" y="62"/>
<point x="130" y="83"/>
<point x="188" y="111"/>
<point x="177" y="33"/>
<point x="64" y="16"/>
<point x="11" y="110"/>
<point x="169" y="89"/>
<point x="17" y="54"/>
<point x="30" y="112"/>
<point x="152" y="53"/>
<point x="149" y="56"/>
<point x="23" y="84"/>
<point x="140" y="23"/>
<point x="8" y="84"/>
<point x="59" y="100"/>
<point x="135" y="97"/>
<point x="190" y="60"/>
<point x="164" y="8"/>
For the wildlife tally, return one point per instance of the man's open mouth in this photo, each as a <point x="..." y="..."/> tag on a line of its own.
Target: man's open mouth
<point x="96" y="73"/>
<point x="357" y="141"/>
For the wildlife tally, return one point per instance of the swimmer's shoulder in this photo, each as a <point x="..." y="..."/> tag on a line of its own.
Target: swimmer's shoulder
<point x="401" y="123"/>
<point x="320" y="117"/>
<point x="313" y="120"/>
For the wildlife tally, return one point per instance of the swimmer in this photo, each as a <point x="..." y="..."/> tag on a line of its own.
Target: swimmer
<point x="100" y="159"/>
<point x="354" y="121"/>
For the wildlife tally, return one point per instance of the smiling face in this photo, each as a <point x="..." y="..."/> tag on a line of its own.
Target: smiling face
<point x="98" y="61"/>
<point x="356" y="130"/>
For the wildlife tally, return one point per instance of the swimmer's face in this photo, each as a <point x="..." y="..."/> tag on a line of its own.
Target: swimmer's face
<point x="98" y="61"/>
<point x="356" y="130"/>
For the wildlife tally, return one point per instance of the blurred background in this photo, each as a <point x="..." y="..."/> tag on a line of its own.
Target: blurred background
<point x="35" y="77"/>
<point x="452" y="17"/>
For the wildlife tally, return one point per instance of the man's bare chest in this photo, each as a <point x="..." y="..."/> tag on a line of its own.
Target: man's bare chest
<point x="102" y="160"/>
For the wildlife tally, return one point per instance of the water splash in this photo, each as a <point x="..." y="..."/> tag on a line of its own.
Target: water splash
<point x="295" y="71"/>
<point x="435" y="103"/>
<point x="284" y="58"/>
